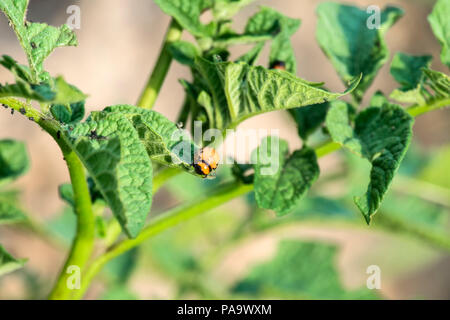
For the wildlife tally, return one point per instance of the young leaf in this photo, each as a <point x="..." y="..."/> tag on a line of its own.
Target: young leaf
<point x="352" y="46"/>
<point x="187" y="14"/>
<point x="440" y="23"/>
<point x="184" y="52"/>
<point x="239" y="91"/>
<point x="8" y="263"/>
<point x="290" y="275"/>
<point x="407" y="71"/>
<point x="37" y="39"/>
<point x="164" y="142"/>
<point x="226" y="9"/>
<point x="382" y="136"/>
<point x="110" y="149"/>
<point x="309" y="118"/>
<point x="282" y="180"/>
<point x="270" y="22"/>
<point x="13" y="160"/>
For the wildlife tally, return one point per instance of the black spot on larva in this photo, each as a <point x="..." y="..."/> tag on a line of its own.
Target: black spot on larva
<point x="33" y="45"/>
<point x="58" y="134"/>
<point x="22" y="110"/>
<point x="12" y="111"/>
<point x="31" y="118"/>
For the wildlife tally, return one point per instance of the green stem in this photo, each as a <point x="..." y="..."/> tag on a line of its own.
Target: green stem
<point x="83" y="243"/>
<point x="84" y="240"/>
<point x="222" y="195"/>
<point x="421" y="109"/>
<point x="156" y="79"/>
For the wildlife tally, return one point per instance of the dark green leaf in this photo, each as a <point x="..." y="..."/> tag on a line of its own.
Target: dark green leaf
<point x="309" y="118"/>
<point x="8" y="263"/>
<point x="440" y="23"/>
<point x="13" y="159"/>
<point x="290" y="275"/>
<point x="37" y="39"/>
<point x="282" y="180"/>
<point x="68" y="114"/>
<point x="351" y="46"/>
<point x="66" y="193"/>
<point x="438" y="82"/>
<point x="407" y="71"/>
<point x="382" y="136"/>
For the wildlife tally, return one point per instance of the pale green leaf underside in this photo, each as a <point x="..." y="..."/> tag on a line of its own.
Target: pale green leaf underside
<point x="8" y="263"/>
<point x="239" y="91"/>
<point x="282" y="180"/>
<point x="226" y="9"/>
<point x="37" y="39"/>
<point x="440" y="23"/>
<point x="382" y="136"/>
<point x="119" y="165"/>
<point x="351" y="46"/>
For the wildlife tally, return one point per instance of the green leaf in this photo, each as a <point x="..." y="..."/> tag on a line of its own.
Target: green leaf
<point x="121" y="268"/>
<point x="187" y="14"/>
<point x="37" y="39"/>
<point x="110" y="149"/>
<point x="382" y="136"/>
<point x="378" y="100"/>
<point x="68" y="114"/>
<point x="290" y="275"/>
<point x="20" y="71"/>
<point x="14" y="160"/>
<point x="438" y="82"/>
<point x="351" y="46"/>
<point x="66" y="193"/>
<point x="164" y="141"/>
<point x="239" y="91"/>
<point x="407" y="71"/>
<point x="8" y="263"/>
<point x="282" y="180"/>
<point x="184" y="52"/>
<point x="440" y="23"/>
<point x="270" y="22"/>
<point x="309" y="118"/>
<point x="226" y="9"/>
<point x="10" y="212"/>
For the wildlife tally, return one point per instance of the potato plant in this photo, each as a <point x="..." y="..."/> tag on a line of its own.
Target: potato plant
<point x="119" y="156"/>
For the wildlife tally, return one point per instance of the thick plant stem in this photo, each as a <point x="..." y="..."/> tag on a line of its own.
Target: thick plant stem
<point x="84" y="240"/>
<point x="224" y="194"/>
<point x="156" y="79"/>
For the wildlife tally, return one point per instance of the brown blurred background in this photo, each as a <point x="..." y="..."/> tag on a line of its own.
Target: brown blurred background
<point x="118" y="44"/>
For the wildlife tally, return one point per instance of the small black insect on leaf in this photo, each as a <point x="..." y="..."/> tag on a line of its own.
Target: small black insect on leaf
<point x="33" y="45"/>
<point x="93" y="135"/>
<point x="22" y="110"/>
<point x="12" y="111"/>
<point x="5" y="106"/>
<point x="31" y="118"/>
<point x="58" y="134"/>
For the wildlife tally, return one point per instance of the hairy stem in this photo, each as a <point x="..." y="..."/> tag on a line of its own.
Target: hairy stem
<point x="156" y="79"/>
